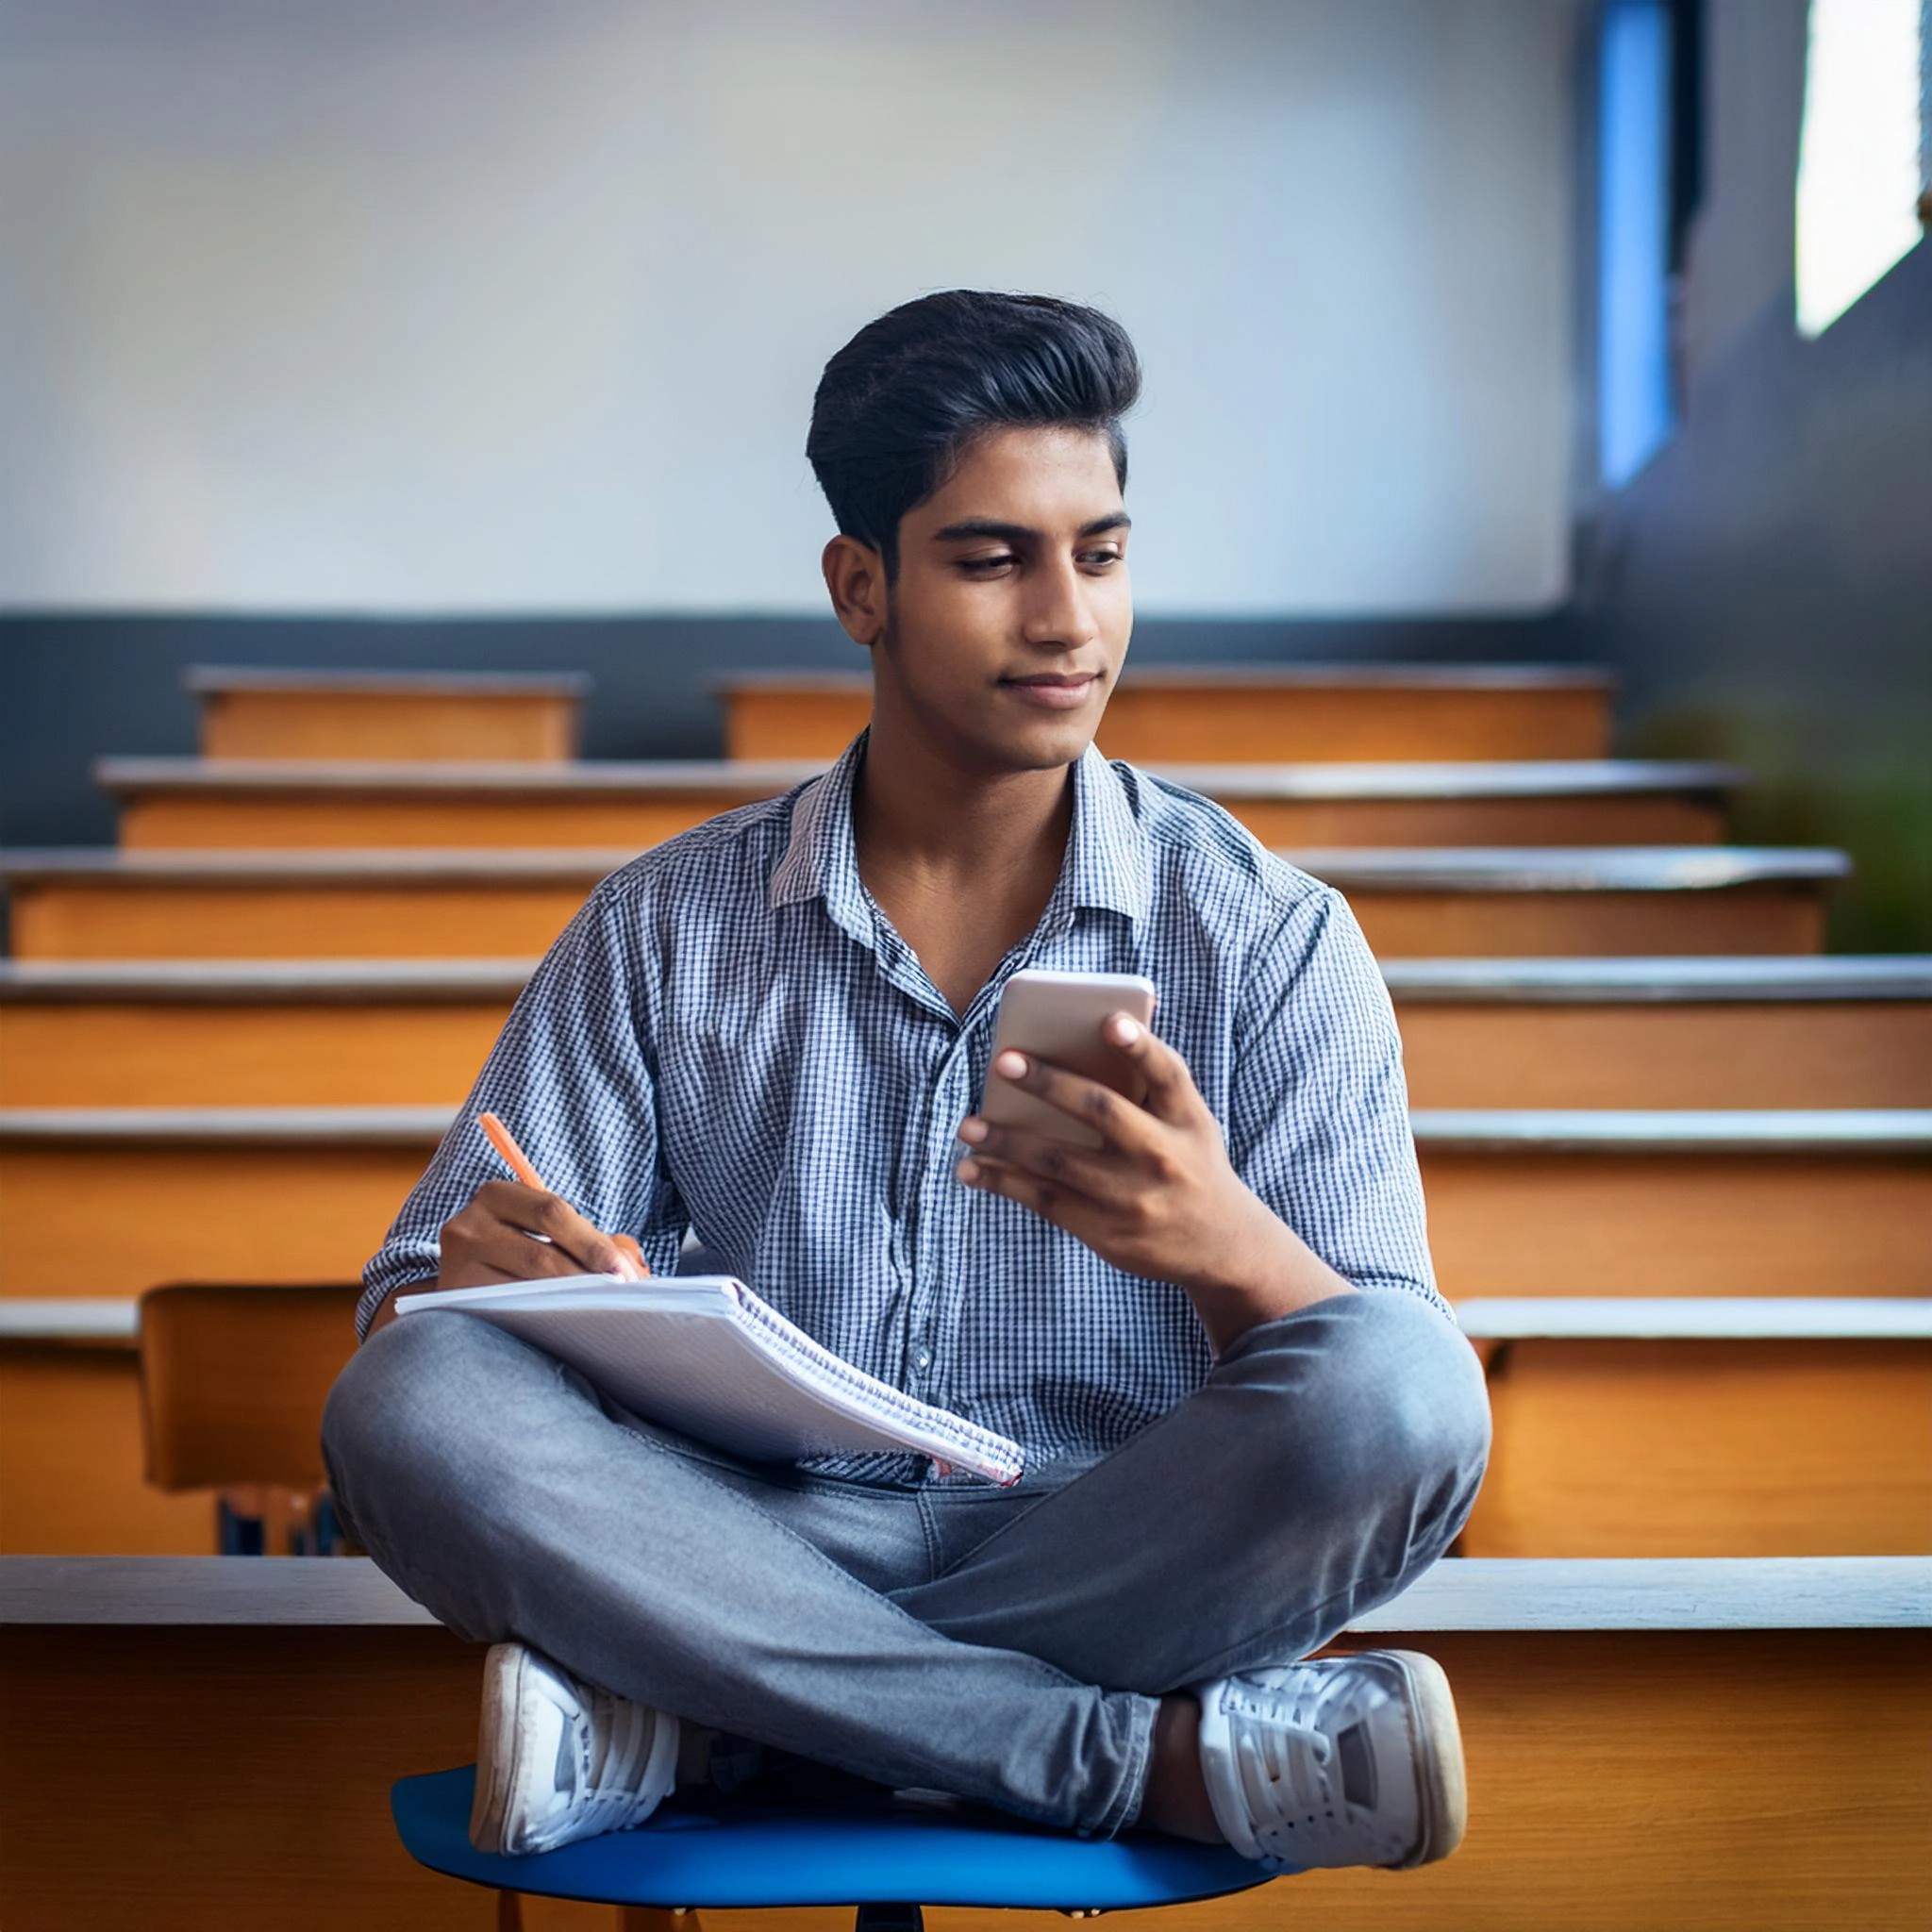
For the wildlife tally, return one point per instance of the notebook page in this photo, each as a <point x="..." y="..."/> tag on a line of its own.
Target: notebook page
<point x="704" y="1356"/>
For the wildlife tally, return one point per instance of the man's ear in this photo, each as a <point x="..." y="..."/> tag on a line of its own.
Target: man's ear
<point x="856" y="577"/>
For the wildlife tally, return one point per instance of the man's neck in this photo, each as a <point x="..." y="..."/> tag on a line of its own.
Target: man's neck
<point x="916" y="812"/>
<point x="961" y="862"/>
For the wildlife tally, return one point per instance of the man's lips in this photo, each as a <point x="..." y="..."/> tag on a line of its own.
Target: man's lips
<point x="1054" y="690"/>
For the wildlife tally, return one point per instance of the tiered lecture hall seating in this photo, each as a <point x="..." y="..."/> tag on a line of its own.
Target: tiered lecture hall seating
<point x="1669" y="1744"/>
<point x="1679" y="1167"/>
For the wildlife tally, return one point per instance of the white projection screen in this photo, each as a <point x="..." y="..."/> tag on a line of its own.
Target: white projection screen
<point x="409" y="306"/>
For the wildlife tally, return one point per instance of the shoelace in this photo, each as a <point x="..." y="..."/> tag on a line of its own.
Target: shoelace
<point x="1288" y="1763"/>
<point x="613" y="1742"/>
<point x="1273" y="1753"/>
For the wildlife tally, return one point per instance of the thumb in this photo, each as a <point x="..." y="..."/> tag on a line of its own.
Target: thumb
<point x="1171" y="1092"/>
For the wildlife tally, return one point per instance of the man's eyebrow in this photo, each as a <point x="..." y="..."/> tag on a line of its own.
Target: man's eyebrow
<point x="970" y="527"/>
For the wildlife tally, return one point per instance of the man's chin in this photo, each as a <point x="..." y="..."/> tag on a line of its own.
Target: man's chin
<point x="1046" y="749"/>
<point x="998" y="745"/>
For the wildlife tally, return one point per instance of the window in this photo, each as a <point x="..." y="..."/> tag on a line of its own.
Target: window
<point x="1862" y="156"/>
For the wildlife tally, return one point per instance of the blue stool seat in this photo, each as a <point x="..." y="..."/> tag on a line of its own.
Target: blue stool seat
<point x="738" y="1856"/>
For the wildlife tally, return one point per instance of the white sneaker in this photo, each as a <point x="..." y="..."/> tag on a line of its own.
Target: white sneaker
<point x="1338" y="1761"/>
<point x="558" y="1760"/>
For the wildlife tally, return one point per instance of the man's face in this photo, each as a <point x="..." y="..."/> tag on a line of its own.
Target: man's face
<point x="1010" y="614"/>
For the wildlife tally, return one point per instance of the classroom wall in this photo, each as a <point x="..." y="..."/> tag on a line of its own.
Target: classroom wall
<point x="473" y="306"/>
<point x="1740" y="248"/>
<point x="1765" y="586"/>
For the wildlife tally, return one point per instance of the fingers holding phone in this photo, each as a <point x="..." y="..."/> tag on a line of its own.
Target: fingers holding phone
<point x="1145" y="1181"/>
<point x="1059" y="1019"/>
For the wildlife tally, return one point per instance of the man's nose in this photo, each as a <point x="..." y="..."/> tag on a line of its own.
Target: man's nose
<point x="1058" y="610"/>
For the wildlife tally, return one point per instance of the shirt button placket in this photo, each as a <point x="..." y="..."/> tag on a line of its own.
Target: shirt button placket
<point x="945" y="1109"/>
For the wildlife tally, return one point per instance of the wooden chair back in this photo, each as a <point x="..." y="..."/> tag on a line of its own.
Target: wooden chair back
<point x="233" y="1381"/>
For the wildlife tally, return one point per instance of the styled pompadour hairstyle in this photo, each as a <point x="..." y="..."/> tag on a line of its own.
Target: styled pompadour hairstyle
<point x="901" y="403"/>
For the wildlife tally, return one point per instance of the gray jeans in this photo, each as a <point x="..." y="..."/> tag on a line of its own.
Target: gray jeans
<point x="1005" y="1646"/>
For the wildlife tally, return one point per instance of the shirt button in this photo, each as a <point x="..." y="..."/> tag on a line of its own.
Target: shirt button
<point x="923" y="1358"/>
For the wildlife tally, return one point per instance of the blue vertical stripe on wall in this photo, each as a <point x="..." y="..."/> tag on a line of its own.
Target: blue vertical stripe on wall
<point x="1925" y="95"/>
<point x="1634" y="412"/>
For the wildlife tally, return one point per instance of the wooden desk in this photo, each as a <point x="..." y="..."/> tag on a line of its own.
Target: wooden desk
<point x="252" y="713"/>
<point x="479" y="902"/>
<point x="1734" y="1427"/>
<point x="208" y="1745"/>
<point x="1217" y="712"/>
<point x="1703" y="1032"/>
<point x="226" y="802"/>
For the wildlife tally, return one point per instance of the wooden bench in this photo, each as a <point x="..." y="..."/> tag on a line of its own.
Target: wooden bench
<point x="1729" y="1202"/>
<point x="1643" y="1427"/>
<point x="1624" y="1032"/>
<point x="1724" y="1743"/>
<point x="1520" y="1202"/>
<point x="173" y="803"/>
<point x="1678" y="1202"/>
<point x="71" y="1453"/>
<point x="110" y="1443"/>
<point x="1661" y="1032"/>
<point x="104" y="904"/>
<point x="1584" y="902"/>
<point x="1794" y="1032"/>
<point x="1706" y="1427"/>
<point x="219" y="1033"/>
<point x="1242" y="713"/>
<point x="1605" y="1204"/>
<point x="472" y="902"/>
<point x="152" y="1195"/>
<point x="252" y="713"/>
<point x="1674" y="1032"/>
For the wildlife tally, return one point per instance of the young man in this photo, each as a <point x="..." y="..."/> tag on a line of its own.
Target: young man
<point x="1247" y="1415"/>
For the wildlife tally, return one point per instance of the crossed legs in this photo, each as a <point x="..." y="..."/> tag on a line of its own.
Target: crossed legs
<point x="1008" y="1647"/>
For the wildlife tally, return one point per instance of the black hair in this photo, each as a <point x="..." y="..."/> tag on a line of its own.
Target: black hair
<point x="902" y="402"/>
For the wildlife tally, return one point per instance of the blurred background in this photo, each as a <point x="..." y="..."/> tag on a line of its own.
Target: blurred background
<point x="463" y="333"/>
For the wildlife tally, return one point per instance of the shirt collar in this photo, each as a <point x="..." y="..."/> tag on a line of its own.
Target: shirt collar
<point x="1106" y="857"/>
<point x="1105" y="865"/>
<point x="821" y="858"/>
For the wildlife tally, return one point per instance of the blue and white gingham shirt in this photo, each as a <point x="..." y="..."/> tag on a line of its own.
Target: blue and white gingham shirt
<point x="730" y="1036"/>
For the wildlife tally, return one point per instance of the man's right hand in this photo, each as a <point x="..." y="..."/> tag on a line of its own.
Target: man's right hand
<point x="493" y="1240"/>
<point x="510" y="1232"/>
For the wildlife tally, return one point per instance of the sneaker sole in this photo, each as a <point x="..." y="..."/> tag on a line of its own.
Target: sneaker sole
<point x="497" y="1747"/>
<point x="1440" y="1774"/>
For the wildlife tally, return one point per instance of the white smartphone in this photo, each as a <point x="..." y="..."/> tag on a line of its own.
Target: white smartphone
<point x="1057" y="1017"/>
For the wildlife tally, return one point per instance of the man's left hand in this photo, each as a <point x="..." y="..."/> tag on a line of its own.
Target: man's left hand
<point x="1159" y="1198"/>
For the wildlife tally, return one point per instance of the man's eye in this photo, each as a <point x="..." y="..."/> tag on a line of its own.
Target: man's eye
<point x="1104" y="557"/>
<point x="980" y="565"/>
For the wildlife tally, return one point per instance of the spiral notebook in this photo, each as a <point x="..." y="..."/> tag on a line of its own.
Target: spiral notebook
<point x="704" y="1356"/>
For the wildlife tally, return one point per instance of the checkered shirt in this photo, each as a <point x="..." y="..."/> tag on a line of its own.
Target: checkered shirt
<point x="730" y="1037"/>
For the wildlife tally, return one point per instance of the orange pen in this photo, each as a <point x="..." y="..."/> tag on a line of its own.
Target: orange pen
<point x="518" y="1162"/>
